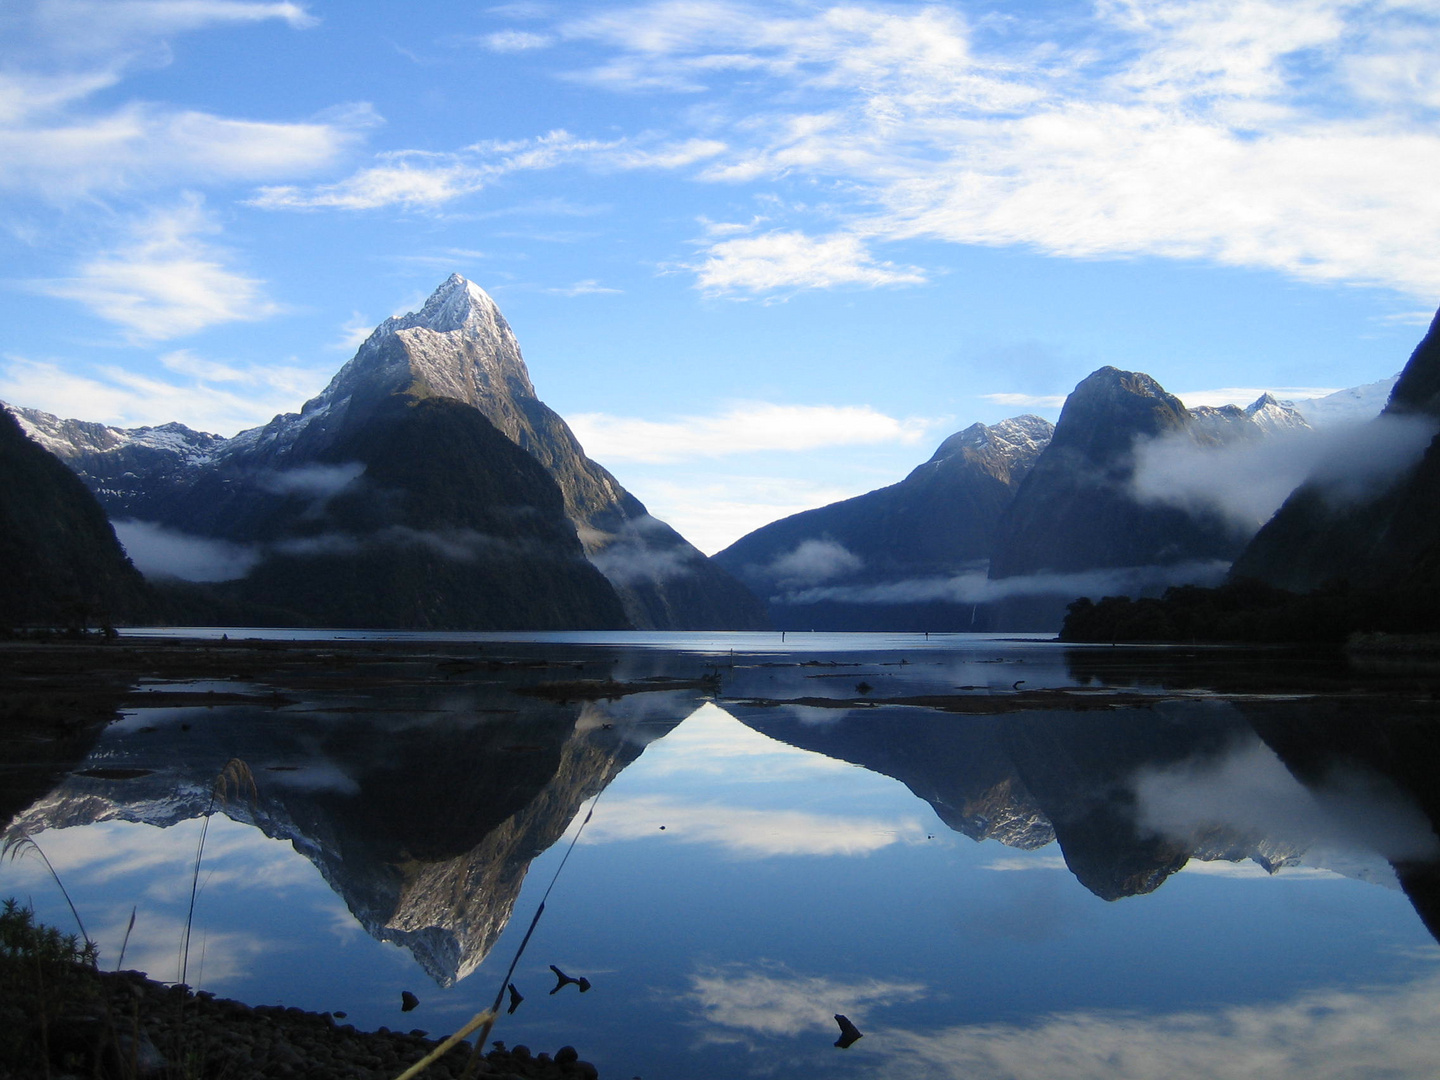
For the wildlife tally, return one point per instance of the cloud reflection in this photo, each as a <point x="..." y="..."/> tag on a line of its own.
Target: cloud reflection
<point x="1323" y="1035"/>
<point x="110" y="866"/>
<point x="711" y="742"/>
<point x="745" y="832"/>
<point x="1249" y="790"/>
<point x="773" y="1001"/>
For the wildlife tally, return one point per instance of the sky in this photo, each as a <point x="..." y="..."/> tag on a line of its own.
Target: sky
<point x="761" y="256"/>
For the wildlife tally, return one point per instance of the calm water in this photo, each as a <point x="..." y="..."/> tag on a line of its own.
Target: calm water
<point x="1096" y="864"/>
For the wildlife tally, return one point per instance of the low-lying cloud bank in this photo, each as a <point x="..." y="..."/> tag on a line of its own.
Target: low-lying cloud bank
<point x="973" y="587"/>
<point x="1246" y="482"/>
<point x="160" y="552"/>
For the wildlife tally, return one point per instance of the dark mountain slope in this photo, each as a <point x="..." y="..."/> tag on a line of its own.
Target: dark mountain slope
<point x="446" y="525"/>
<point x="1372" y="518"/>
<point x="63" y="565"/>
<point x="937" y="522"/>
<point x="1076" y="510"/>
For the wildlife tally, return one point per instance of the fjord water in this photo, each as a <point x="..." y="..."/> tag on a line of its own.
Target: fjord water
<point x="998" y="858"/>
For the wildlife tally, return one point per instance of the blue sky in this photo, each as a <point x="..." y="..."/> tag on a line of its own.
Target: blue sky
<point x="761" y="256"/>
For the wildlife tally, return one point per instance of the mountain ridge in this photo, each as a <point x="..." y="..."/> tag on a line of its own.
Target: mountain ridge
<point x="457" y="348"/>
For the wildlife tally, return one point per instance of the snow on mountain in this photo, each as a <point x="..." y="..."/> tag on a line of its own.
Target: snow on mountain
<point x="1351" y="405"/>
<point x="1276" y="416"/>
<point x="69" y="439"/>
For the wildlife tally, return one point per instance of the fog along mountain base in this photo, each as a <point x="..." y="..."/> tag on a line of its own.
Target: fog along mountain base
<point x="426" y="487"/>
<point x="1355" y="548"/>
<point x="429" y="487"/>
<point x="1007" y="524"/>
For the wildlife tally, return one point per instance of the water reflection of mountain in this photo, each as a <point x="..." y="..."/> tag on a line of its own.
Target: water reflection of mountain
<point x="1133" y="794"/>
<point x="424" y="795"/>
<point x="422" y="813"/>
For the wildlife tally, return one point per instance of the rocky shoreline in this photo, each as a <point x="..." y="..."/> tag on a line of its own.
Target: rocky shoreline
<point x="125" y="1024"/>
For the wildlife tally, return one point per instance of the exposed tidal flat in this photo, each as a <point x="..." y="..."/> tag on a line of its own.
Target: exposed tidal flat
<point x="996" y="857"/>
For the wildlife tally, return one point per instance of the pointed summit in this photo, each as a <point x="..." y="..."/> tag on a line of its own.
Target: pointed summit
<point x="458" y="304"/>
<point x="458" y="347"/>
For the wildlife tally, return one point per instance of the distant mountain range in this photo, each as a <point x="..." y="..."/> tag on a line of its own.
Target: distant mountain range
<point x="867" y="562"/>
<point x="1007" y="524"/>
<point x="427" y="486"/>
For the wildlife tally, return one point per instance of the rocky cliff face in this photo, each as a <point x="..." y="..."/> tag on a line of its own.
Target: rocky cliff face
<point x="1076" y="510"/>
<point x="939" y="521"/>
<point x="63" y="564"/>
<point x="1370" y="514"/>
<point x="457" y="349"/>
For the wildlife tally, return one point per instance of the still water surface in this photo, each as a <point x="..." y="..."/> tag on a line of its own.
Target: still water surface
<point x="997" y="857"/>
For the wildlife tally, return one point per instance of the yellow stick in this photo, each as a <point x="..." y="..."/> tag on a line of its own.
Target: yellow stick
<point x="445" y="1047"/>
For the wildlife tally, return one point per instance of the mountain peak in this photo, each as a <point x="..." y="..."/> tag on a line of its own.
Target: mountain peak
<point x="457" y="304"/>
<point x="1110" y="409"/>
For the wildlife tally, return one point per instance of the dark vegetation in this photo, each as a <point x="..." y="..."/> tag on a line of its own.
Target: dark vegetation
<point x="1250" y="610"/>
<point x="61" y="562"/>
<point x="60" y="1015"/>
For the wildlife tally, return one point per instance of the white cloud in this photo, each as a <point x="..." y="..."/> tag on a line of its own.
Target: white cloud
<point x="353" y="333"/>
<point x="746" y="427"/>
<point x="1296" y="137"/>
<point x="588" y="287"/>
<point x="781" y="260"/>
<point x="160" y="552"/>
<point x="1027" y="401"/>
<point x="65" y="51"/>
<point x="814" y="561"/>
<point x="1245" y="395"/>
<point x="1246" y="481"/>
<point x="109" y="24"/>
<point x="166" y="282"/>
<point x="428" y="180"/>
<point x="713" y="513"/>
<point x="246" y="396"/>
<point x="974" y="587"/>
<point x="142" y="145"/>
<point x="506" y="41"/>
<point x="747" y="833"/>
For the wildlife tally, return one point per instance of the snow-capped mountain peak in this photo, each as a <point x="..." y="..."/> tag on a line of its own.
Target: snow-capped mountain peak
<point x="1275" y="416"/>
<point x="458" y="304"/>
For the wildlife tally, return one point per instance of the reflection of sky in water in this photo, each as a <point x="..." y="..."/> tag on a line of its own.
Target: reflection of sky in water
<point x="786" y="886"/>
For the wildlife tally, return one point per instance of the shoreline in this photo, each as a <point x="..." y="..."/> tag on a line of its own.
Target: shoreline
<point x="132" y="1025"/>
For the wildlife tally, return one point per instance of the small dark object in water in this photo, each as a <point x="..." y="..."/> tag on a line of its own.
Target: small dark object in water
<point x="849" y="1033"/>
<point x="566" y="980"/>
<point x="1017" y="684"/>
<point x="662" y="828"/>
<point x="515" y="998"/>
<point x="408" y="1001"/>
<point x="863" y="688"/>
